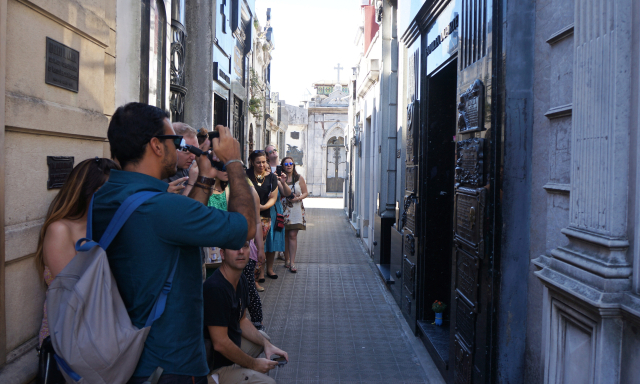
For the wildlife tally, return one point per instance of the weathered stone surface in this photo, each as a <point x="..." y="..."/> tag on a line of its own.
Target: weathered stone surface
<point x="24" y="295"/>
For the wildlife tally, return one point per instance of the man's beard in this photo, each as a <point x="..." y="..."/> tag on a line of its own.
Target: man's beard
<point x="169" y="167"/>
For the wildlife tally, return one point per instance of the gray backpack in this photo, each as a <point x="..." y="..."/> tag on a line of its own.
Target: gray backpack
<point x="91" y="331"/>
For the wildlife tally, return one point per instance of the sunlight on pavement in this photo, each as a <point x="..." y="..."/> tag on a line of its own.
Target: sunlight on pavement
<point x="324" y="202"/>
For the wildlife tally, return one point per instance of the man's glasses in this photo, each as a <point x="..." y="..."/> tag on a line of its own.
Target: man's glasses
<point x="271" y="151"/>
<point x="177" y="139"/>
<point x="287" y="164"/>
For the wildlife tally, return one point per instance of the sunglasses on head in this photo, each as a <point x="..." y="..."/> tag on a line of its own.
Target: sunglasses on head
<point x="287" y="164"/>
<point x="177" y="139"/>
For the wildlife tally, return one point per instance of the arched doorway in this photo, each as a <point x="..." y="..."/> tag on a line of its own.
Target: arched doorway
<point x="336" y="164"/>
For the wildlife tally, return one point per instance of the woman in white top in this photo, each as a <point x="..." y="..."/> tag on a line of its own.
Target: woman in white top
<point x="294" y="215"/>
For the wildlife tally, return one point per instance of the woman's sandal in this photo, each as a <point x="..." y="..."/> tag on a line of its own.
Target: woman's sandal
<point x="293" y="269"/>
<point x="287" y="266"/>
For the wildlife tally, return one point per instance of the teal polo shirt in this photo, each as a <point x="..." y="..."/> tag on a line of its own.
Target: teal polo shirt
<point x="142" y="256"/>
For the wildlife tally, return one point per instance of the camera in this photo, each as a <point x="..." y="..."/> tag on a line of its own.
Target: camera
<point x="203" y="134"/>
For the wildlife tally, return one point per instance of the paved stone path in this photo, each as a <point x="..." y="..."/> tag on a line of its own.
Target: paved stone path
<point x="334" y="317"/>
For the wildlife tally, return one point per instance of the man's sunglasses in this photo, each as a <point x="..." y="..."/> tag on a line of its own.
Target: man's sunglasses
<point x="177" y="139"/>
<point x="271" y="151"/>
<point x="287" y="164"/>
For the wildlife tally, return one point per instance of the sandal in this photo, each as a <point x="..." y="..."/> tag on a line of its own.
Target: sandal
<point x="287" y="266"/>
<point x="293" y="269"/>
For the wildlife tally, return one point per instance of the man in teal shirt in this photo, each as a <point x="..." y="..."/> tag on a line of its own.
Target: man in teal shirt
<point x="164" y="228"/>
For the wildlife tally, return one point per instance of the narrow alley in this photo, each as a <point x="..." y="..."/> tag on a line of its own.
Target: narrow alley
<point x="334" y="316"/>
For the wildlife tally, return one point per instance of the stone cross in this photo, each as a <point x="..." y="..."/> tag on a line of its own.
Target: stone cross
<point x="338" y="68"/>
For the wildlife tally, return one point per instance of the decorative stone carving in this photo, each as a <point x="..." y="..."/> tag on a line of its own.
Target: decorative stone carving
<point x="471" y="108"/>
<point x="178" y="89"/>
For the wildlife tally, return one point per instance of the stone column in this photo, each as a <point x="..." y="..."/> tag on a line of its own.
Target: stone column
<point x="600" y="143"/>
<point x="585" y="281"/>
<point x="200" y="20"/>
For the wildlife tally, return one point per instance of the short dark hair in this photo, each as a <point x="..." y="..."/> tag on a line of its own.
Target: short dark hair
<point x="132" y="126"/>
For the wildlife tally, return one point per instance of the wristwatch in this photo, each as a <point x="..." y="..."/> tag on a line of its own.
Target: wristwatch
<point x="205" y="180"/>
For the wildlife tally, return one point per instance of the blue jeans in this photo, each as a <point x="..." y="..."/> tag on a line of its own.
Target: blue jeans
<point x="172" y="379"/>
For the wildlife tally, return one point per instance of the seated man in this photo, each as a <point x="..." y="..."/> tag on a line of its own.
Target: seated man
<point x="236" y="342"/>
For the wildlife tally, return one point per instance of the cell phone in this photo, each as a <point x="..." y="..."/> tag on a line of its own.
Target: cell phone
<point x="280" y="360"/>
<point x="279" y="170"/>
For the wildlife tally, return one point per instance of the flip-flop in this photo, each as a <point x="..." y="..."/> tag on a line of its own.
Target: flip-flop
<point x="293" y="269"/>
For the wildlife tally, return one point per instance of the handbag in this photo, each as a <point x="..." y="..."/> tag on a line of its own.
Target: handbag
<point x="48" y="372"/>
<point x="279" y="221"/>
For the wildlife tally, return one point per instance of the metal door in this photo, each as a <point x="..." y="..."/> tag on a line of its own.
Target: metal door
<point x="412" y="193"/>
<point x="474" y="266"/>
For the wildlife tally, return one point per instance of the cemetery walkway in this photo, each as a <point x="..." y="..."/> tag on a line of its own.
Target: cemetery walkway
<point x="334" y="317"/>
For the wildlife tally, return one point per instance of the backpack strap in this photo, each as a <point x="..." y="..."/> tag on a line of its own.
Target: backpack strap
<point x="117" y="222"/>
<point x="161" y="301"/>
<point x="122" y="215"/>
<point x="129" y="205"/>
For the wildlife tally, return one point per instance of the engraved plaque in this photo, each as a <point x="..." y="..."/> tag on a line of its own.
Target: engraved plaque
<point x="409" y="245"/>
<point x="408" y="275"/>
<point x="410" y="222"/>
<point x="295" y="135"/>
<point x="59" y="169"/>
<point x="410" y="178"/>
<point x="470" y="162"/>
<point x="62" y="66"/>
<point x="469" y="216"/>
<point x="467" y="277"/>
<point x="471" y="108"/>
<point x="465" y="321"/>
<point x="463" y="373"/>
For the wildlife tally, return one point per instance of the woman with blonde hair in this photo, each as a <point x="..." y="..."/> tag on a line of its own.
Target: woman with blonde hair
<point x="66" y="221"/>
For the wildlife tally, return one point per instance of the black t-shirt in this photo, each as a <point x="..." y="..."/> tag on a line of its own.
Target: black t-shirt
<point x="269" y="185"/>
<point x="224" y="307"/>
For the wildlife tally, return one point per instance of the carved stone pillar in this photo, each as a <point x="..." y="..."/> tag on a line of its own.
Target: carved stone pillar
<point x="177" y="60"/>
<point x="587" y="280"/>
<point x="600" y="143"/>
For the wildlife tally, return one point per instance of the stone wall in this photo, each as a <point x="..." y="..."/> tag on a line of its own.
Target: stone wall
<point x="43" y="120"/>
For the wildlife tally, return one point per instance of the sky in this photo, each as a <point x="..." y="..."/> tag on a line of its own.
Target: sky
<point x="310" y="37"/>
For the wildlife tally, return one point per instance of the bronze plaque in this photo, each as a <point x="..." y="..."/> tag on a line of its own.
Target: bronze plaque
<point x="469" y="216"/>
<point x="59" y="169"/>
<point x="466" y="283"/>
<point x="408" y="274"/>
<point x="463" y="369"/>
<point x="471" y="108"/>
<point x="410" y="178"/>
<point x="62" y="66"/>
<point x="410" y="221"/>
<point x="470" y="162"/>
<point x="412" y="120"/>
<point x="295" y="135"/>
<point x="465" y="321"/>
